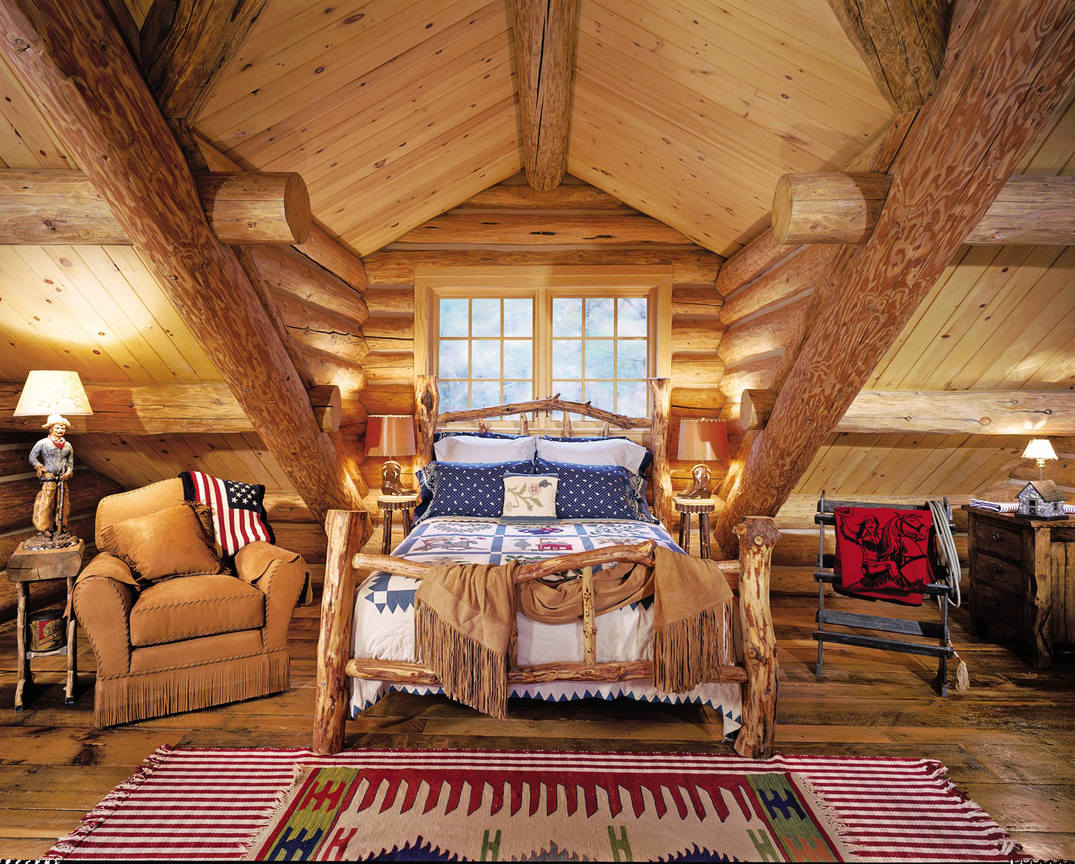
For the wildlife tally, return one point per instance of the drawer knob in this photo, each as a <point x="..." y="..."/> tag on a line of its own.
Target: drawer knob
<point x="995" y="536"/>
<point x="996" y="569"/>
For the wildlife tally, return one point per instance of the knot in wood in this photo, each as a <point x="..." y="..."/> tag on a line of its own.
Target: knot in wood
<point x="21" y="45"/>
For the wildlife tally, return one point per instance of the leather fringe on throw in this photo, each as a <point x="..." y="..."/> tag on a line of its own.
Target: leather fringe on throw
<point x="468" y="671"/>
<point x="691" y="650"/>
<point x="156" y="694"/>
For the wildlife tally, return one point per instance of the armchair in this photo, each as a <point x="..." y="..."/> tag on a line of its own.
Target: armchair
<point x="190" y="642"/>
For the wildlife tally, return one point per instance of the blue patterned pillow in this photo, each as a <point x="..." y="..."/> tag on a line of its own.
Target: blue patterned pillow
<point x="593" y="491"/>
<point x="471" y="488"/>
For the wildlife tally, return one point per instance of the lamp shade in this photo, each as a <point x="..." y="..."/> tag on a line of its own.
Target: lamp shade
<point x="1039" y="448"/>
<point x="703" y="440"/>
<point x="52" y="391"/>
<point x="391" y="435"/>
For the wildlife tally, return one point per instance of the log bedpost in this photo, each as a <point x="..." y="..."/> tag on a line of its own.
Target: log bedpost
<point x="661" y="400"/>
<point x="426" y="405"/>
<point x="346" y="531"/>
<point x="757" y="536"/>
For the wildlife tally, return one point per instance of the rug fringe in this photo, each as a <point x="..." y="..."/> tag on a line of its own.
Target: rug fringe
<point x="66" y="845"/>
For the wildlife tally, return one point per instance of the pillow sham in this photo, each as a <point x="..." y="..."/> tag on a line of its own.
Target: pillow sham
<point x="598" y="451"/>
<point x="530" y="496"/>
<point x="471" y="489"/>
<point x="472" y="449"/>
<point x="163" y="544"/>
<point x="591" y="491"/>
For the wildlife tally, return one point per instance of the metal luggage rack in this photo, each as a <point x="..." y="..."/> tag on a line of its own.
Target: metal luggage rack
<point x="943" y="589"/>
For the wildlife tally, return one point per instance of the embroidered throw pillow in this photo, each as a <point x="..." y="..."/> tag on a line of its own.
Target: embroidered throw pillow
<point x="471" y="489"/>
<point x="530" y="496"/>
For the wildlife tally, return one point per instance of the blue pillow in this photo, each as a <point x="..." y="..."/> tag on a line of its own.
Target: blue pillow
<point x="471" y="488"/>
<point x="593" y="491"/>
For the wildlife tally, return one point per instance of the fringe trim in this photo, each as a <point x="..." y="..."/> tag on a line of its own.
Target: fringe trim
<point x="67" y="845"/>
<point x="157" y="694"/>
<point x="691" y="650"/>
<point x="468" y="671"/>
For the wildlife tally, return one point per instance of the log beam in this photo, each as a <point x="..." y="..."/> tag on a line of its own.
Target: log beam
<point x="72" y="61"/>
<point x="843" y="208"/>
<point x="998" y="93"/>
<point x="167" y="409"/>
<point x="755" y="406"/>
<point x="185" y="45"/>
<point x="45" y="206"/>
<point x="544" y="33"/>
<point x="902" y="43"/>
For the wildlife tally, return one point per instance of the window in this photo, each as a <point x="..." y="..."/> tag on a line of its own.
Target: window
<point x="489" y="346"/>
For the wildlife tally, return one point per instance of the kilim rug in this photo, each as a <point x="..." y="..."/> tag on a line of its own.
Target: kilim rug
<point x="461" y="804"/>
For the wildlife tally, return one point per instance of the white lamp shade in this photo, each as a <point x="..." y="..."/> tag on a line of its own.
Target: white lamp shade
<point x="702" y="440"/>
<point x="391" y="436"/>
<point x="1039" y="448"/>
<point x="52" y="391"/>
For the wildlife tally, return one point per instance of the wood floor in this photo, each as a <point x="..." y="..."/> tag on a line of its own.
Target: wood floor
<point x="1008" y="742"/>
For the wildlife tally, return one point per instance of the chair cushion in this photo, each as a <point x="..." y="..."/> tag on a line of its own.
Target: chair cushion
<point x="195" y="606"/>
<point x="165" y="543"/>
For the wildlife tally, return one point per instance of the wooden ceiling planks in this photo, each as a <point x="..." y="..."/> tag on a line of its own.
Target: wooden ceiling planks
<point x="748" y="98"/>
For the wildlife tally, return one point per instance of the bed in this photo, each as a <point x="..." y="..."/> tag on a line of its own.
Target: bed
<point x="367" y="640"/>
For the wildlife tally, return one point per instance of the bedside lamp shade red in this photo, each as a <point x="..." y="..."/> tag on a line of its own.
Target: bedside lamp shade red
<point x="702" y="441"/>
<point x="391" y="436"/>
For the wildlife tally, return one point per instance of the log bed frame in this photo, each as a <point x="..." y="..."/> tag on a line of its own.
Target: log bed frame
<point x="748" y="577"/>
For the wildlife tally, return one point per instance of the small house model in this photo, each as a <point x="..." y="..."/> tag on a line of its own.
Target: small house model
<point x="1041" y="499"/>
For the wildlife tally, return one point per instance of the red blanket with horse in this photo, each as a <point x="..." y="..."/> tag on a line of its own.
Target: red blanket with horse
<point x="883" y="553"/>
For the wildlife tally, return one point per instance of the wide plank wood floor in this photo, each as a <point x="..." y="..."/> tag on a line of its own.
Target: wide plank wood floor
<point x="1008" y="742"/>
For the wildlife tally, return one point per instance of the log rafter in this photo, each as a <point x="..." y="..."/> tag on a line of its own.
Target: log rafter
<point x="73" y="62"/>
<point x="1013" y="67"/>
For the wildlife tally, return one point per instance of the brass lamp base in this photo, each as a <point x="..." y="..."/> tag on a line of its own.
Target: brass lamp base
<point x="702" y="485"/>
<point x="390" y="481"/>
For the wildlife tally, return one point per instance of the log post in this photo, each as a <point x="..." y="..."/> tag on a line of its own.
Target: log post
<point x="427" y="403"/>
<point x="661" y="404"/>
<point x="757" y="536"/>
<point x="345" y="530"/>
<point x="544" y="33"/>
<point x="755" y="407"/>
<point x="47" y="206"/>
<point x="73" y="62"/>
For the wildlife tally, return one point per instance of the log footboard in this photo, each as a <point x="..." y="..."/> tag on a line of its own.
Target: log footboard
<point x="757" y="535"/>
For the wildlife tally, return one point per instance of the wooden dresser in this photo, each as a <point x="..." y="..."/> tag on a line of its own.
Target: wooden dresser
<point x="1022" y="580"/>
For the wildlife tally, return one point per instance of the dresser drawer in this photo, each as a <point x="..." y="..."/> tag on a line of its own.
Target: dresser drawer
<point x="1000" y="541"/>
<point x="1000" y="575"/>
<point x="998" y="612"/>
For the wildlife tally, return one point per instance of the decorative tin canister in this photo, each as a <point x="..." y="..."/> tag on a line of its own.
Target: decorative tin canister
<point x="46" y="630"/>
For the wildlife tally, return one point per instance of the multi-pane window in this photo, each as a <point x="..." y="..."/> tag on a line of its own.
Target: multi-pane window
<point x="600" y="352"/>
<point x="588" y="346"/>
<point x="485" y="352"/>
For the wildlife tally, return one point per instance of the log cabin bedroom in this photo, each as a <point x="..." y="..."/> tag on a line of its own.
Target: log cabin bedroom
<point x="654" y="416"/>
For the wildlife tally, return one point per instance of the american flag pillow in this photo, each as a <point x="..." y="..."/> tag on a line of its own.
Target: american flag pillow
<point x="238" y="509"/>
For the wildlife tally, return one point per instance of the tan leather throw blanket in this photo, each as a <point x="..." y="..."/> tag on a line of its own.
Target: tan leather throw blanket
<point x="464" y="615"/>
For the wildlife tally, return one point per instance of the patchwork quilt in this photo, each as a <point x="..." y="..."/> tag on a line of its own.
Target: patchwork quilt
<point x="384" y="610"/>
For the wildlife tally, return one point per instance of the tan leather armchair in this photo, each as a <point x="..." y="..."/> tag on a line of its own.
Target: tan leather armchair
<point x="190" y="642"/>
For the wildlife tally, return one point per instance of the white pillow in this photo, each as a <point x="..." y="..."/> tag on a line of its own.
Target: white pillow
<point x="471" y="448"/>
<point x="608" y="451"/>
<point x="530" y="496"/>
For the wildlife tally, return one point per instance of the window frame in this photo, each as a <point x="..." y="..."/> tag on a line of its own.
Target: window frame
<point x="543" y="284"/>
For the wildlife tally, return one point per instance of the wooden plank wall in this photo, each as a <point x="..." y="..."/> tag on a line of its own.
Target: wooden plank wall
<point x="510" y="225"/>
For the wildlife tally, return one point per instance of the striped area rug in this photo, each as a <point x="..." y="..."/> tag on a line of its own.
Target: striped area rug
<point x="227" y="804"/>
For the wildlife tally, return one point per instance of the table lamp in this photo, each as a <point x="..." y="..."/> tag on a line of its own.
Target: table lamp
<point x="702" y="441"/>
<point x="390" y="435"/>
<point x="52" y="394"/>
<point x="1039" y="449"/>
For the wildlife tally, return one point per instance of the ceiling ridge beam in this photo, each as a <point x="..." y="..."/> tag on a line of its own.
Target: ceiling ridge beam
<point x="1013" y="67"/>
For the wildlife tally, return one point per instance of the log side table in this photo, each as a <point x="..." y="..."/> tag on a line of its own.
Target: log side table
<point x="390" y="504"/>
<point x="702" y="508"/>
<point x="43" y="565"/>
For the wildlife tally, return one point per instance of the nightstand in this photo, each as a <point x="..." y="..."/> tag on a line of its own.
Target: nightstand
<point x="700" y="507"/>
<point x="43" y="565"/>
<point x="389" y="504"/>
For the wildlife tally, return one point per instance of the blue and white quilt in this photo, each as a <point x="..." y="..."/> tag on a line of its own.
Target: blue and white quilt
<point x="384" y="610"/>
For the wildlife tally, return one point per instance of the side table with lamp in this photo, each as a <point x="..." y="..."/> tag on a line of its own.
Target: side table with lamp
<point x="700" y="441"/>
<point x="391" y="436"/>
<point x="51" y="553"/>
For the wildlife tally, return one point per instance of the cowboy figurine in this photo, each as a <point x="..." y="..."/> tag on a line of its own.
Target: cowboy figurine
<point x="53" y="459"/>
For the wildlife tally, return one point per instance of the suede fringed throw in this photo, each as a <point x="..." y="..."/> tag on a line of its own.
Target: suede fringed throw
<point x="465" y="614"/>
